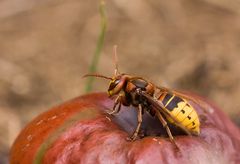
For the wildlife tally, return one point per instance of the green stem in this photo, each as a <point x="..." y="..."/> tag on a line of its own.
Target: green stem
<point x="96" y="56"/>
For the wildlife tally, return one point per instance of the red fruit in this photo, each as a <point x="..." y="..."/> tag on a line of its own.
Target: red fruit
<point x="80" y="131"/>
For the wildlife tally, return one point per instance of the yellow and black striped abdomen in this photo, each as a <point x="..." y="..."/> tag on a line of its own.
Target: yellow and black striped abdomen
<point x="182" y="111"/>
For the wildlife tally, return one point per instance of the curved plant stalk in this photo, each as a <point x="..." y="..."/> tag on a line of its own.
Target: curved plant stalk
<point x="99" y="46"/>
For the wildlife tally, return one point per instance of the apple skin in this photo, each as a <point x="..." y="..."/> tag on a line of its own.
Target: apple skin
<point x="81" y="131"/>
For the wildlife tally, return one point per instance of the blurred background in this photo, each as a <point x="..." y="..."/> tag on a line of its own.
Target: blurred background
<point x="46" y="46"/>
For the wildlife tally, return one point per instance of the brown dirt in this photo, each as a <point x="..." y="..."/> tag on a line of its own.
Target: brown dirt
<point x="47" y="46"/>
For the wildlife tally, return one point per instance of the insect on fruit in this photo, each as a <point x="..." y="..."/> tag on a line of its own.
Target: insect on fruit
<point x="168" y="105"/>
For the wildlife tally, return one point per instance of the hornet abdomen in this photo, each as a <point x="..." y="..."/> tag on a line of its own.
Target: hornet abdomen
<point x="182" y="111"/>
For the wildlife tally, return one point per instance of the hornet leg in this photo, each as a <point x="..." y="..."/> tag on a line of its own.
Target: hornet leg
<point x="135" y="134"/>
<point x="165" y="125"/>
<point x="117" y="105"/>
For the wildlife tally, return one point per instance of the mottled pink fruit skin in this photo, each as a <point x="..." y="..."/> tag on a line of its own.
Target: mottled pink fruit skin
<point x="102" y="138"/>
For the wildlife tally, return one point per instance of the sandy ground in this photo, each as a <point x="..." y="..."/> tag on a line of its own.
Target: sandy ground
<point x="46" y="46"/>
